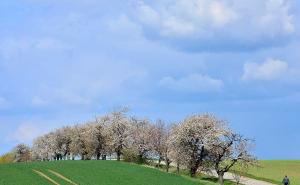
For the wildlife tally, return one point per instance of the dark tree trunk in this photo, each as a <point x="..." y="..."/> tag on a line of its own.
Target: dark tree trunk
<point x="104" y="157"/>
<point x="159" y="161"/>
<point x="118" y="155"/>
<point x="140" y="159"/>
<point x="193" y="171"/>
<point x="167" y="164"/>
<point x="82" y="157"/>
<point x="196" y="161"/>
<point x="194" y="168"/>
<point x="98" y="156"/>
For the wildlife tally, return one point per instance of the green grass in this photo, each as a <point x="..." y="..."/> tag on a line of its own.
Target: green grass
<point x="185" y="173"/>
<point x="274" y="171"/>
<point x="91" y="173"/>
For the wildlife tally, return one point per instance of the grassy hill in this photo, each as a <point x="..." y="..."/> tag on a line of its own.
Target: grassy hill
<point x="89" y="173"/>
<point x="115" y="173"/>
<point x="274" y="171"/>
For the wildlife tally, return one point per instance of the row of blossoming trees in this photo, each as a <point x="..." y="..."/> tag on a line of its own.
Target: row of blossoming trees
<point x="198" y="143"/>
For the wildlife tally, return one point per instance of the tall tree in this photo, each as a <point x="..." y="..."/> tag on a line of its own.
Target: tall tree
<point x="22" y="153"/>
<point x="118" y="131"/>
<point x="101" y="136"/>
<point x="97" y="138"/>
<point x="229" y="149"/>
<point x="159" y="139"/>
<point x="194" y="136"/>
<point x="172" y="152"/>
<point x="141" y="138"/>
<point x="78" y="145"/>
<point x="41" y="148"/>
<point x="65" y="136"/>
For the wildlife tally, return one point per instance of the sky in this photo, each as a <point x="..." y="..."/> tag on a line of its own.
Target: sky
<point x="63" y="62"/>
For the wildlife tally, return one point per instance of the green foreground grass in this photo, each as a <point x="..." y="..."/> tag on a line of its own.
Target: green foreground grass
<point x="91" y="173"/>
<point x="274" y="170"/>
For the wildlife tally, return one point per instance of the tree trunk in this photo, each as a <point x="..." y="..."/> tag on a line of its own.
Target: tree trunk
<point x="221" y="178"/>
<point x="140" y="159"/>
<point x="118" y="156"/>
<point x="167" y="167"/>
<point x="98" y="156"/>
<point x="159" y="161"/>
<point x="177" y="167"/>
<point x="193" y="171"/>
<point x="194" y="166"/>
<point x="82" y="156"/>
<point x="167" y="164"/>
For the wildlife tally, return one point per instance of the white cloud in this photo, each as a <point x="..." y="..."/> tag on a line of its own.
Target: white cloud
<point x="249" y="21"/>
<point x="192" y="83"/>
<point x="86" y="84"/>
<point x="149" y="15"/>
<point x="271" y="69"/>
<point x="26" y="132"/>
<point x="185" y="18"/>
<point x="221" y="14"/>
<point x="277" y="18"/>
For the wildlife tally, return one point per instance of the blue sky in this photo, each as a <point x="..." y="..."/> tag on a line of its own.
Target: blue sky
<point x="65" y="61"/>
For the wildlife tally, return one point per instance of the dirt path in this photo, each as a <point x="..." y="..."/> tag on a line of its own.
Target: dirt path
<point x="245" y="180"/>
<point x="46" y="177"/>
<point x="62" y="177"/>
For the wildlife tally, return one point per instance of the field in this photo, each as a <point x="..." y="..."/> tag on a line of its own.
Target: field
<point x="89" y="173"/>
<point x="115" y="173"/>
<point x="274" y="171"/>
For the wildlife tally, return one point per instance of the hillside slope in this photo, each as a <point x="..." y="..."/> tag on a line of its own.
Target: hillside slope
<point x="274" y="171"/>
<point x="88" y="173"/>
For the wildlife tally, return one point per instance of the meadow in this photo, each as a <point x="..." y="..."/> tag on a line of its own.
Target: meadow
<point x="114" y="173"/>
<point x="89" y="173"/>
<point x="274" y="171"/>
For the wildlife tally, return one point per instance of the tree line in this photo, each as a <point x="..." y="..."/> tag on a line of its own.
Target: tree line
<point x="200" y="142"/>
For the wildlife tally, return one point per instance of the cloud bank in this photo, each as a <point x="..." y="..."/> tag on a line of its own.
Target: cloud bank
<point x="192" y="83"/>
<point x="271" y="69"/>
<point x="215" y="25"/>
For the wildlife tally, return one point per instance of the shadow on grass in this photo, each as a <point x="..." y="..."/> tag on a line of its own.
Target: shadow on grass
<point x="185" y="173"/>
<point x="215" y="180"/>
